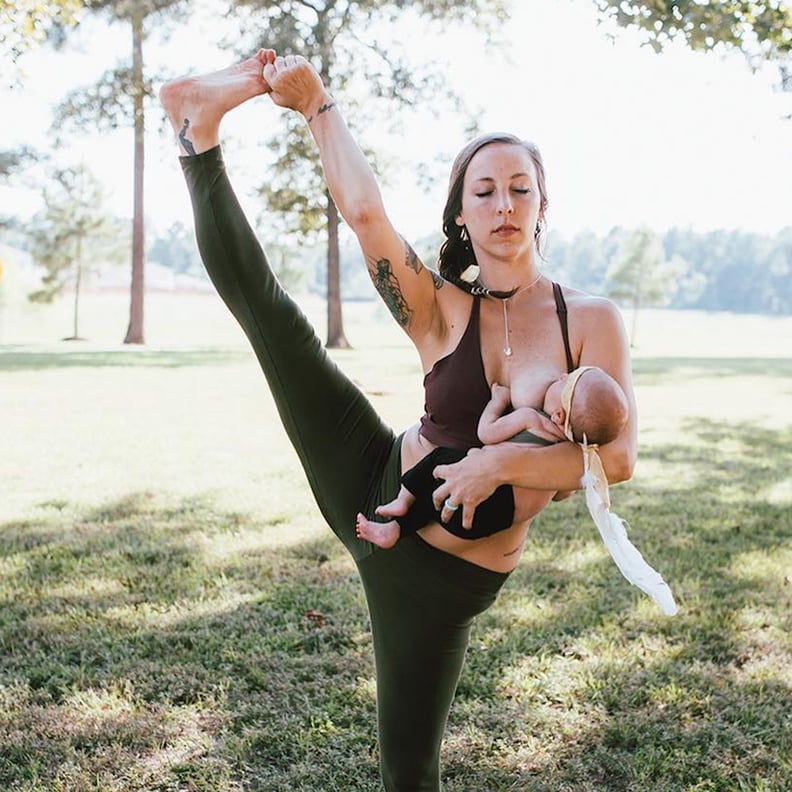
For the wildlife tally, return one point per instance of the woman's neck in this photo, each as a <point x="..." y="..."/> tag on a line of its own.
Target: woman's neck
<point x="499" y="276"/>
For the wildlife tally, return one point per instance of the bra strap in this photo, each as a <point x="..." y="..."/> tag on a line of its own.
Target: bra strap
<point x="561" y="310"/>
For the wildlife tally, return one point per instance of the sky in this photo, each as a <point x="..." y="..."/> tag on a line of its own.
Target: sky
<point x="629" y="137"/>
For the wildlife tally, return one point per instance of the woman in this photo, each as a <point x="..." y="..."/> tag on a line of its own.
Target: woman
<point x="423" y="594"/>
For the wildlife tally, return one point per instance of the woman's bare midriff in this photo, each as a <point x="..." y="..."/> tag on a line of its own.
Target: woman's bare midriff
<point x="500" y="552"/>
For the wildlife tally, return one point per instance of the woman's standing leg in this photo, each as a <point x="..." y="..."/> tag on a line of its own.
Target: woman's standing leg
<point x="422" y="603"/>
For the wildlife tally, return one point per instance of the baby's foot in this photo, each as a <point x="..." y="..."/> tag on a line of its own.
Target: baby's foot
<point x="196" y="105"/>
<point x="398" y="507"/>
<point x="384" y="535"/>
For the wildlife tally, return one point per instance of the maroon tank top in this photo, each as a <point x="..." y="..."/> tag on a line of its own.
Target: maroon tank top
<point x="456" y="389"/>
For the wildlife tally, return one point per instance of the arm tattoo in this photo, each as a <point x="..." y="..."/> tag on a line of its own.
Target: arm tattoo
<point x="386" y="283"/>
<point x="323" y="109"/>
<point x="186" y="144"/>
<point x="412" y="260"/>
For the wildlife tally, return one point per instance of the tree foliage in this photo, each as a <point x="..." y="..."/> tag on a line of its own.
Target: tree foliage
<point x="753" y="26"/>
<point x="12" y="160"/>
<point x="25" y="23"/>
<point x="725" y="270"/>
<point x="71" y="232"/>
<point x="176" y="249"/>
<point x="736" y="270"/>
<point x="639" y="275"/>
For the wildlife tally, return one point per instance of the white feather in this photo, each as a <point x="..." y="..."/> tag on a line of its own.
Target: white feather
<point x="627" y="557"/>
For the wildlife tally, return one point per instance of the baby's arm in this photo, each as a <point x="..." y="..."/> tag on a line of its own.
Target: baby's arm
<point x="492" y="416"/>
<point x="495" y="427"/>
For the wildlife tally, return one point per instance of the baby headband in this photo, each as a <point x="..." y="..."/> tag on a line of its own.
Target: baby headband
<point x="566" y="398"/>
<point x="611" y="527"/>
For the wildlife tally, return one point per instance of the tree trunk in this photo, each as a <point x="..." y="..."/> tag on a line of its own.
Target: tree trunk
<point x="637" y="303"/>
<point x="134" y="333"/>
<point x="77" y="284"/>
<point x="335" y="322"/>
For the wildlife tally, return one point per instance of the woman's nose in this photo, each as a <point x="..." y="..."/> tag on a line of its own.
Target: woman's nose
<point x="505" y="206"/>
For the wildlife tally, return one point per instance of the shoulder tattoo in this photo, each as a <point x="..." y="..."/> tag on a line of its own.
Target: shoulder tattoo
<point x="412" y="260"/>
<point x="437" y="279"/>
<point x="386" y="283"/>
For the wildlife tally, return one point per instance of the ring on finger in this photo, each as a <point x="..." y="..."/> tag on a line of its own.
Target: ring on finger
<point x="450" y="506"/>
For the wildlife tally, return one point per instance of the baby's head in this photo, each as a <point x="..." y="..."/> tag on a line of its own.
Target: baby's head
<point x="597" y="406"/>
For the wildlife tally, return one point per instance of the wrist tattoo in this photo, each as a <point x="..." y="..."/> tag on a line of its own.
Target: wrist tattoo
<point x="186" y="143"/>
<point x="323" y="109"/>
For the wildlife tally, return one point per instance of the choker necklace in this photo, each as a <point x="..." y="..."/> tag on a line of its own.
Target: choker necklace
<point x="507" y="349"/>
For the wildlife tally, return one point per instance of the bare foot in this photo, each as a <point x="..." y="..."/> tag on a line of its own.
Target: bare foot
<point x="399" y="506"/>
<point x="196" y="105"/>
<point x="384" y="535"/>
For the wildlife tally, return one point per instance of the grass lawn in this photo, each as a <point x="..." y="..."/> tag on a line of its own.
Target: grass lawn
<point x="174" y="615"/>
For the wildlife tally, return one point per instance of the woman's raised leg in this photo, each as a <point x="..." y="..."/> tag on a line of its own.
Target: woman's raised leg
<point x="342" y="443"/>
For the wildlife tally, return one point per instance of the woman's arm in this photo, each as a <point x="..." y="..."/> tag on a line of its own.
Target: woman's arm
<point x="560" y="466"/>
<point x="401" y="279"/>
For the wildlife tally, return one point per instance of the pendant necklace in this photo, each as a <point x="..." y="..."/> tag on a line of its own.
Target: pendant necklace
<point x="507" y="349"/>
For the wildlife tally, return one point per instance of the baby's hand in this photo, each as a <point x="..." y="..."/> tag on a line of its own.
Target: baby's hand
<point x="501" y="394"/>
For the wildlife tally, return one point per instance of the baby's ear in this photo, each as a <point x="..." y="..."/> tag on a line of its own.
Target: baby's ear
<point x="558" y="417"/>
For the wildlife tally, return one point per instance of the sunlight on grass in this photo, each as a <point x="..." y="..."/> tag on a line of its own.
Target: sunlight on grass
<point x="767" y="570"/>
<point x="779" y="493"/>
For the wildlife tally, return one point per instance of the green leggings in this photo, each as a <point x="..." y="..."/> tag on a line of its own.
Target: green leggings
<point x="421" y="600"/>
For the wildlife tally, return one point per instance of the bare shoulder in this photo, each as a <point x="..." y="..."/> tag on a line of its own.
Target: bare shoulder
<point x="596" y="329"/>
<point x="579" y="300"/>
<point x="590" y="310"/>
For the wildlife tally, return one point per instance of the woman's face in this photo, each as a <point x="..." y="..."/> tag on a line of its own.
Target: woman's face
<point x="500" y="202"/>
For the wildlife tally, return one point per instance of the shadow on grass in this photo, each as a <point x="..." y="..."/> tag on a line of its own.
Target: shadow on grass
<point x="149" y="645"/>
<point x="146" y="645"/>
<point x="12" y="359"/>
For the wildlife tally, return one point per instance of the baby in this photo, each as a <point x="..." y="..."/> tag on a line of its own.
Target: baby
<point x="597" y="412"/>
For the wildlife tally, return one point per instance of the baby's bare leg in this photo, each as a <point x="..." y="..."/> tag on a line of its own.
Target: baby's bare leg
<point x="384" y="535"/>
<point x="399" y="506"/>
<point x="196" y="105"/>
